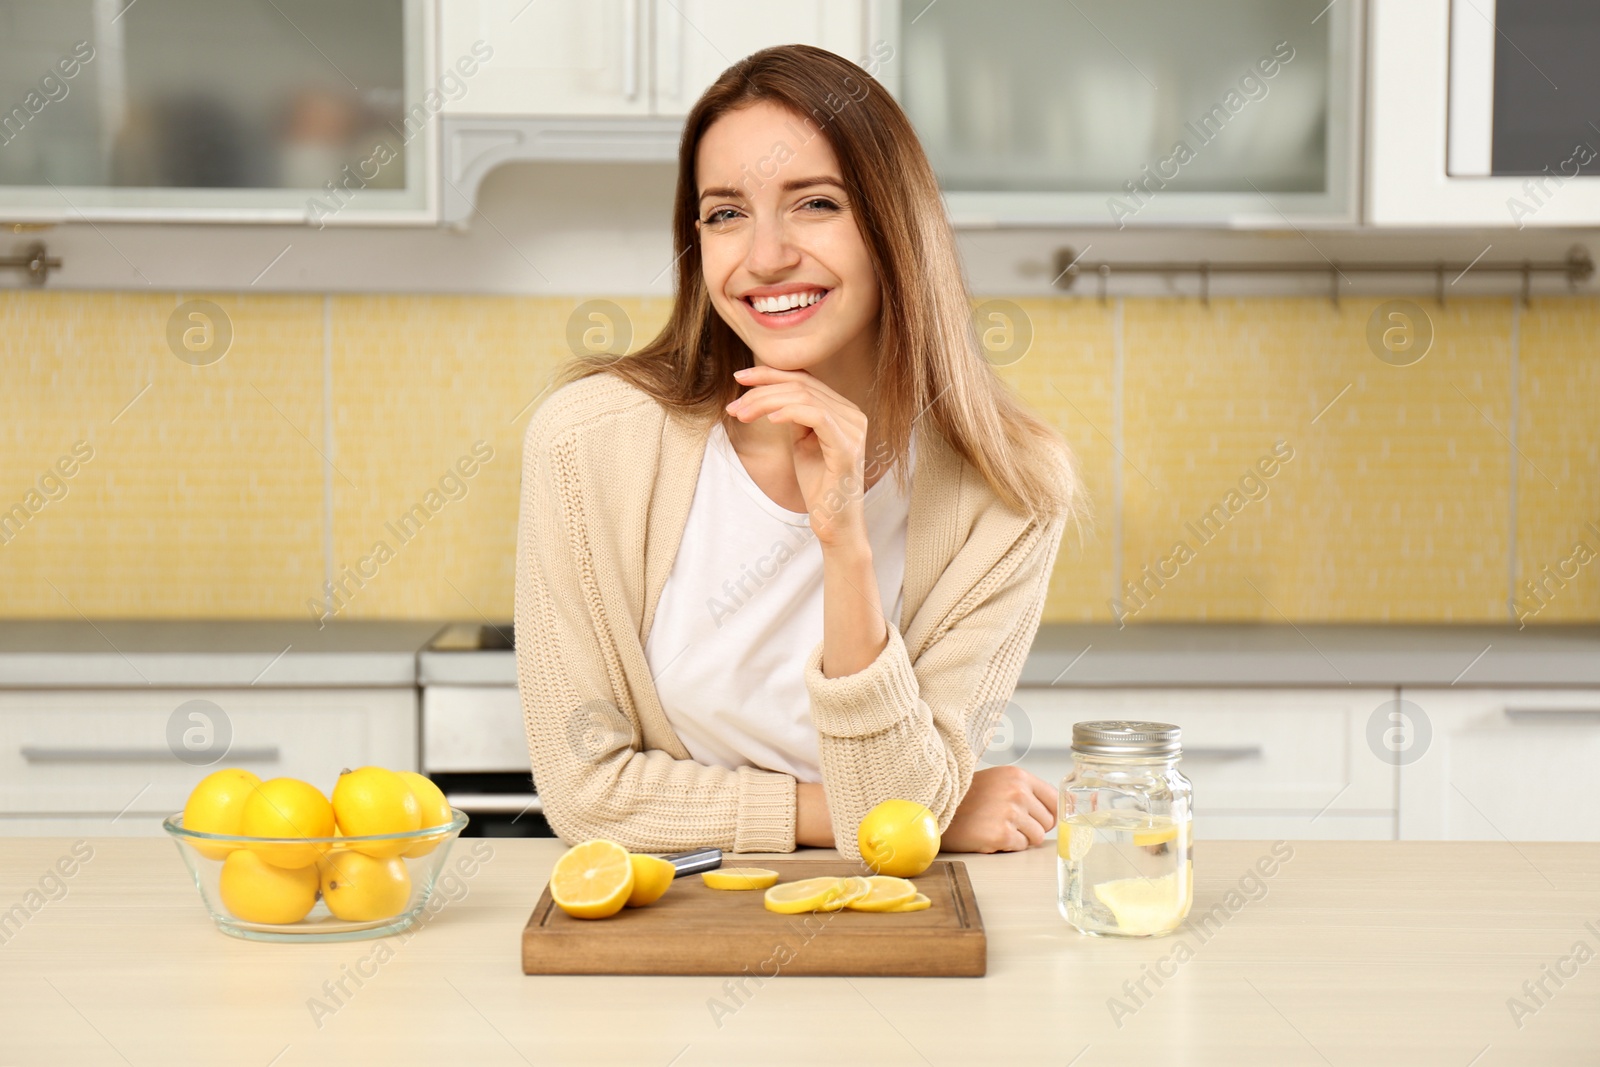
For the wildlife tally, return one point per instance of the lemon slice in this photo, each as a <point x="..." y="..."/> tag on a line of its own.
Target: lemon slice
<point x="885" y="893"/>
<point x="739" y="878"/>
<point x="920" y="902"/>
<point x="1074" y="838"/>
<point x="592" y="880"/>
<point x="807" y="894"/>
<point x="850" y="891"/>
<point x="1145" y="906"/>
<point x="1161" y="831"/>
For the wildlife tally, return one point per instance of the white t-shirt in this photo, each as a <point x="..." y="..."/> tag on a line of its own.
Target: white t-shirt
<point x="742" y="610"/>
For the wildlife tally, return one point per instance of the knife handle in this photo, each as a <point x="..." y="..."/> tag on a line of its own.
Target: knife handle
<point x="700" y="859"/>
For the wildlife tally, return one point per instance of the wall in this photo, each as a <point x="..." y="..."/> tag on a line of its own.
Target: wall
<point x="235" y="489"/>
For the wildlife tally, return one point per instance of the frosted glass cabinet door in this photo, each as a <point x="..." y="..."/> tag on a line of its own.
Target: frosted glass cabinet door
<point x="294" y="110"/>
<point x="1128" y="112"/>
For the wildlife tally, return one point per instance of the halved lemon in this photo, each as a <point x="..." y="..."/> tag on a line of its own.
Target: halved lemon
<point x="885" y="893"/>
<point x="850" y="890"/>
<point x="739" y="878"/>
<point x="916" y="903"/>
<point x="807" y="894"/>
<point x="652" y="876"/>
<point x="592" y="880"/>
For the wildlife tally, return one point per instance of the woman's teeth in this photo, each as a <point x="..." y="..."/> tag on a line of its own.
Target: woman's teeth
<point x="771" y="305"/>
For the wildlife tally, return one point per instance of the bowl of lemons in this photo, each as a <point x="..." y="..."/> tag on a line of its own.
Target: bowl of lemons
<point x="279" y="860"/>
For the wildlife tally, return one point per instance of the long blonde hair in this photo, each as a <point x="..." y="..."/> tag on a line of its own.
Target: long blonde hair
<point x="930" y="364"/>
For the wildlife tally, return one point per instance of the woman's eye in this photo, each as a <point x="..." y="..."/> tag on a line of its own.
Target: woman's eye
<point x="819" y="204"/>
<point x="721" y="214"/>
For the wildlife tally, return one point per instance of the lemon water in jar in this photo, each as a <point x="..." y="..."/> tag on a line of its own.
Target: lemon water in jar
<point x="1125" y="865"/>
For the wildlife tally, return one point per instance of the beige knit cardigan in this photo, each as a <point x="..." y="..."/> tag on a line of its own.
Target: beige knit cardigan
<point x="607" y="479"/>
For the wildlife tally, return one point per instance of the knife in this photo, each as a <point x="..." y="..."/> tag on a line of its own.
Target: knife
<point x="693" y="862"/>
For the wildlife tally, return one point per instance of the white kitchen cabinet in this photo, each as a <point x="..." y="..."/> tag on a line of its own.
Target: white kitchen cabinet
<point x="550" y="59"/>
<point x="1265" y="763"/>
<point x="696" y="40"/>
<point x="603" y="81"/>
<point x="72" y="761"/>
<point x="1431" y="109"/>
<point x="624" y="58"/>
<point x="1502" y="765"/>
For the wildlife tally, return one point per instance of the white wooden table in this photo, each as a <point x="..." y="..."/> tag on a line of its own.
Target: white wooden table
<point x="1350" y="953"/>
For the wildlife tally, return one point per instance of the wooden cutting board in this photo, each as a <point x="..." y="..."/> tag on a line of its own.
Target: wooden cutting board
<point x="697" y="930"/>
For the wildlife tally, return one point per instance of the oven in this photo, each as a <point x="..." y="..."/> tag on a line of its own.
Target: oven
<point x="473" y="745"/>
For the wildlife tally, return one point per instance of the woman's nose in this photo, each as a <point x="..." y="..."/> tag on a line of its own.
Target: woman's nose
<point x="771" y="250"/>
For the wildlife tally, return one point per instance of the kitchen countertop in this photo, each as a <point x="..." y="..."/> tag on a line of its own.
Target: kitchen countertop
<point x="1312" y="654"/>
<point x="126" y="653"/>
<point x="75" y="654"/>
<point x="1345" y="953"/>
<point x="1172" y="655"/>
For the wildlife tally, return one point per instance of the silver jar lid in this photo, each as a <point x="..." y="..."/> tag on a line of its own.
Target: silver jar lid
<point x="1116" y="737"/>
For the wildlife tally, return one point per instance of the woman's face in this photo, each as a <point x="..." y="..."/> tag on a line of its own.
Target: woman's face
<point x="782" y="256"/>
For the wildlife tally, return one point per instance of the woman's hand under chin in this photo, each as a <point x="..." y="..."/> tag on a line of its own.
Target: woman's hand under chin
<point x="829" y="438"/>
<point x="1006" y="809"/>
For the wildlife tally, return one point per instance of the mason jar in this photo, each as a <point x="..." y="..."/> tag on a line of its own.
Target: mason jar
<point x="1125" y="848"/>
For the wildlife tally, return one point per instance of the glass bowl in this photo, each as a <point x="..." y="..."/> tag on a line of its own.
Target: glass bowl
<point x="377" y="903"/>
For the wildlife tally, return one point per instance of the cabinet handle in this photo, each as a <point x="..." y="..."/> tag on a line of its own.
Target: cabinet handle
<point x="630" y="49"/>
<point x="666" y="53"/>
<point x="1214" y="752"/>
<point x="46" y="754"/>
<point x="497" y="803"/>
<point x="1552" y="714"/>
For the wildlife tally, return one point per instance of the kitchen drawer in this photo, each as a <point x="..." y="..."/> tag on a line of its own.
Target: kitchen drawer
<point x="1502" y="765"/>
<point x="133" y="824"/>
<point x="101" y="752"/>
<point x="1291" y="752"/>
<point x="473" y="728"/>
<point x="1211" y="826"/>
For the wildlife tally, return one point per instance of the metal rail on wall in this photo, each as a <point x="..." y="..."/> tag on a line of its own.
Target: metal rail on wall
<point x="35" y="261"/>
<point x="1576" y="268"/>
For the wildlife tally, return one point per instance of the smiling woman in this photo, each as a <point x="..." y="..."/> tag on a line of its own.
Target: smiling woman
<point x="763" y="632"/>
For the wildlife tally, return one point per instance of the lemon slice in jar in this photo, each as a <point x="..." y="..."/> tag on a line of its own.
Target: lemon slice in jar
<point x="1075" y="837"/>
<point x="1145" y="906"/>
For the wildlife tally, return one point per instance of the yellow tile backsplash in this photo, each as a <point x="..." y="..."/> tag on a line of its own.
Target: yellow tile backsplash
<point x="1558" y="463"/>
<point x="358" y="456"/>
<point x="204" y="493"/>
<point x="1392" y="504"/>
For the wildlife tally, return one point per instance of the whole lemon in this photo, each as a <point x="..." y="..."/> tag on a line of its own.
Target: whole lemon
<point x="217" y="807"/>
<point x="287" y="807"/>
<point x="899" y="838"/>
<point x="258" y="892"/>
<point x="372" y="800"/>
<point x="435" y="811"/>
<point x="360" y="888"/>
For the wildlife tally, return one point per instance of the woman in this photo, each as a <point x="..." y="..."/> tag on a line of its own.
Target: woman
<point x="786" y="561"/>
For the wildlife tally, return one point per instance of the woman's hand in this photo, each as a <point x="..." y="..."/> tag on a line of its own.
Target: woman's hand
<point x="1005" y="810"/>
<point x="829" y="438"/>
